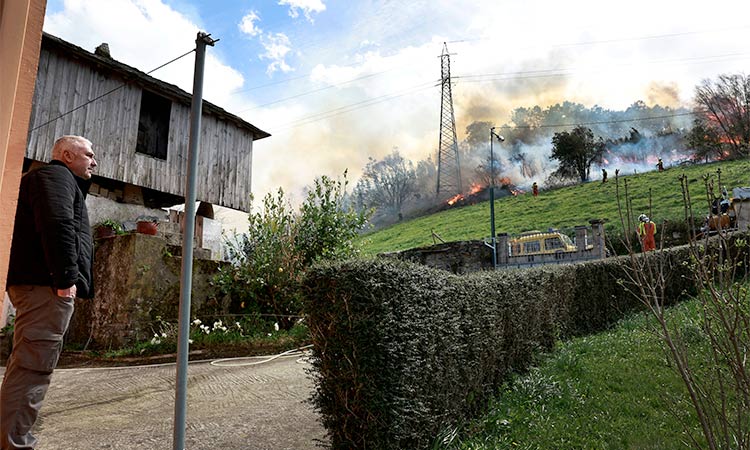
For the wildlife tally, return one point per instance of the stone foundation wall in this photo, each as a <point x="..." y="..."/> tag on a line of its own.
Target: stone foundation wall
<point x="137" y="280"/>
<point x="471" y="256"/>
<point x="457" y="257"/>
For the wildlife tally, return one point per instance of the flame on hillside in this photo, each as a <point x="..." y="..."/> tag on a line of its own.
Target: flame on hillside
<point x="475" y="187"/>
<point x="452" y="201"/>
<point x="506" y="183"/>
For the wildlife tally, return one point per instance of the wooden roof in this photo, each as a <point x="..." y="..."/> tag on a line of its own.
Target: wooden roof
<point x="135" y="76"/>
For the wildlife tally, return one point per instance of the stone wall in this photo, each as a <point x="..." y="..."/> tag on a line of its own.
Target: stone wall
<point x="137" y="280"/>
<point x="471" y="256"/>
<point x="457" y="257"/>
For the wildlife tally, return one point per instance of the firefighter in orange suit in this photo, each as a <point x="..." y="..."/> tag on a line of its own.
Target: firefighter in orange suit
<point x="647" y="233"/>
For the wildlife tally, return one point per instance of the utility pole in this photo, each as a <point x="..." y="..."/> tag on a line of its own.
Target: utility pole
<point x="493" y="238"/>
<point x="449" y="167"/>
<point x="186" y="282"/>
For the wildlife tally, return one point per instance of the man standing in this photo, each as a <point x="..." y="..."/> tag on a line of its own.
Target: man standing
<point x="50" y="264"/>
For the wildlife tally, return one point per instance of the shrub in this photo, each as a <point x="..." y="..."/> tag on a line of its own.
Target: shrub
<point x="271" y="258"/>
<point x="403" y="352"/>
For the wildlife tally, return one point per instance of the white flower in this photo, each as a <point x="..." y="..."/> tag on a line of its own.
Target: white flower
<point x="155" y="341"/>
<point x="276" y="326"/>
<point x="164" y="335"/>
<point x="237" y="324"/>
<point x="197" y="322"/>
<point x="269" y="335"/>
<point x="190" y="341"/>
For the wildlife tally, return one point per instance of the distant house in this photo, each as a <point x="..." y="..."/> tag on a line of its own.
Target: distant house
<point x="140" y="129"/>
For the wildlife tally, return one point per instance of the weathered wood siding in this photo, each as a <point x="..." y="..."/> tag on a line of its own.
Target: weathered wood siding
<point x="111" y="123"/>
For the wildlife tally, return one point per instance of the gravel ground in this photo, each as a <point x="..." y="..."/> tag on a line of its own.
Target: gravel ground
<point x="232" y="405"/>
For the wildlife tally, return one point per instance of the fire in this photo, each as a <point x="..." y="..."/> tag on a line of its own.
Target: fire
<point x="475" y="187"/>
<point x="455" y="198"/>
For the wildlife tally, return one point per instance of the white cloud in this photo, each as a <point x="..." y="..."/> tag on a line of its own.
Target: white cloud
<point x="393" y="47"/>
<point x="277" y="46"/>
<point x="306" y="6"/>
<point x="144" y="34"/>
<point x="248" y="24"/>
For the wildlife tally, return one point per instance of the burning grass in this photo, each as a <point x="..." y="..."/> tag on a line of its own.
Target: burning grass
<point x="558" y="208"/>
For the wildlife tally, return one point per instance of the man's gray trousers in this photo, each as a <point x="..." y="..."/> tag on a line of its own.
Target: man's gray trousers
<point x="41" y="321"/>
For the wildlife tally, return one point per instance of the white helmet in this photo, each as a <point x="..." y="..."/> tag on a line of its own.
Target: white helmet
<point x="643" y="218"/>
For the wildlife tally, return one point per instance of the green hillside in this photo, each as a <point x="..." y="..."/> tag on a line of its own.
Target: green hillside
<point x="563" y="208"/>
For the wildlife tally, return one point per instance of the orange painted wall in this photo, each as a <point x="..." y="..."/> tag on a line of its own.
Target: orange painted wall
<point x="20" y="39"/>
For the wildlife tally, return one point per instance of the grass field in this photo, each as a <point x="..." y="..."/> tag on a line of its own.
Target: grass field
<point x="564" y="208"/>
<point x="613" y="390"/>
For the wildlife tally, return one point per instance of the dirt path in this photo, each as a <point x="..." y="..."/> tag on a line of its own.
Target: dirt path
<point x="236" y="408"/>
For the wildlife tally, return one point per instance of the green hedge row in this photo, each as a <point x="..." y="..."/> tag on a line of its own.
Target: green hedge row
<point x="403" y="351"/>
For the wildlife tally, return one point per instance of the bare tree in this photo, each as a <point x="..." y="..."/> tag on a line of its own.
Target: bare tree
<point x="724" y="106"/>
<point x="388" y="183"/>
<point x="705" y="140"/>
<point x="718" y="389"/>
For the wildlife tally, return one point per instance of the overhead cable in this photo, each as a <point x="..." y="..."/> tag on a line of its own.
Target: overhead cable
<point x="106" y="93"/>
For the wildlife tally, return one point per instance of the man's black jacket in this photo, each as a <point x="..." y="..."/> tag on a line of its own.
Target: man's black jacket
<point x="52" y="243"/>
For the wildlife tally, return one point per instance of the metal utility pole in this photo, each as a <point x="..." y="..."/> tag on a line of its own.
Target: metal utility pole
<point x="449" y="168"/>
<point x="493" y="239"/>
<point x="186" y="282"/>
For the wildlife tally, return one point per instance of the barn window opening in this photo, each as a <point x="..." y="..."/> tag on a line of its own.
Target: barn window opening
<point x="153" y="125"/>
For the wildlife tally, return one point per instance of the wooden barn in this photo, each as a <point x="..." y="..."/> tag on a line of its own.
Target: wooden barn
<point x="140" y="129"/>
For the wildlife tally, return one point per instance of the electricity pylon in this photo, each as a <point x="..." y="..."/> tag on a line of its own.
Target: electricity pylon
<point x="449" y="167"/>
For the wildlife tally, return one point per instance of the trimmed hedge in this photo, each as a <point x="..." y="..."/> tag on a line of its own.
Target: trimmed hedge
<point x="403" y="352"/>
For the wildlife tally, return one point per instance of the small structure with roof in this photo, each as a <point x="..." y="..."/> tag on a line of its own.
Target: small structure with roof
<point x="140" y="129"/>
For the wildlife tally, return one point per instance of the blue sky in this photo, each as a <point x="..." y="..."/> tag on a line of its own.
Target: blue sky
<point x="336" y="82"/>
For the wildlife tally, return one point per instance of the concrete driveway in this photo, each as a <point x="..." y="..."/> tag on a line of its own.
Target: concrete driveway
<point x="230" y="406"/>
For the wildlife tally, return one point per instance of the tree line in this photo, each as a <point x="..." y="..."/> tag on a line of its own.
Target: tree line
<point x="717" y="126"/>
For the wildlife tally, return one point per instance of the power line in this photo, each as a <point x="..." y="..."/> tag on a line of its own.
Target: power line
<point x="352" y="107"/>
<point x="385" y="38"/>
<point x="572" y="44"/>
<point x="598" y="122"/>
<point x="541" y="73"/>
<point x="317" y="90"/>
<point x="563" y="72"/>
<point x="383" y="98"/>
<point x="625" y="39"/>
<point x="107" y="93"/>
<point x="529" y="74"/>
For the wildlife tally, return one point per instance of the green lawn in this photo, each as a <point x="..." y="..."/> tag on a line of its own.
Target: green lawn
<point x="613" y="390"/>
<point x="562" y="208"/>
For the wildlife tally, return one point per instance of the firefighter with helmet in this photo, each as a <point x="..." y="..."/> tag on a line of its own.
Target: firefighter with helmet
<point x="647" y="233"/>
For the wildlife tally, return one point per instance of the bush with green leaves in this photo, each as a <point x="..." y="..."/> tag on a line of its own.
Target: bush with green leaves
<point x="404" y="351"/>
<point x="270" y="260"/>
<point x="326" y="228"/>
